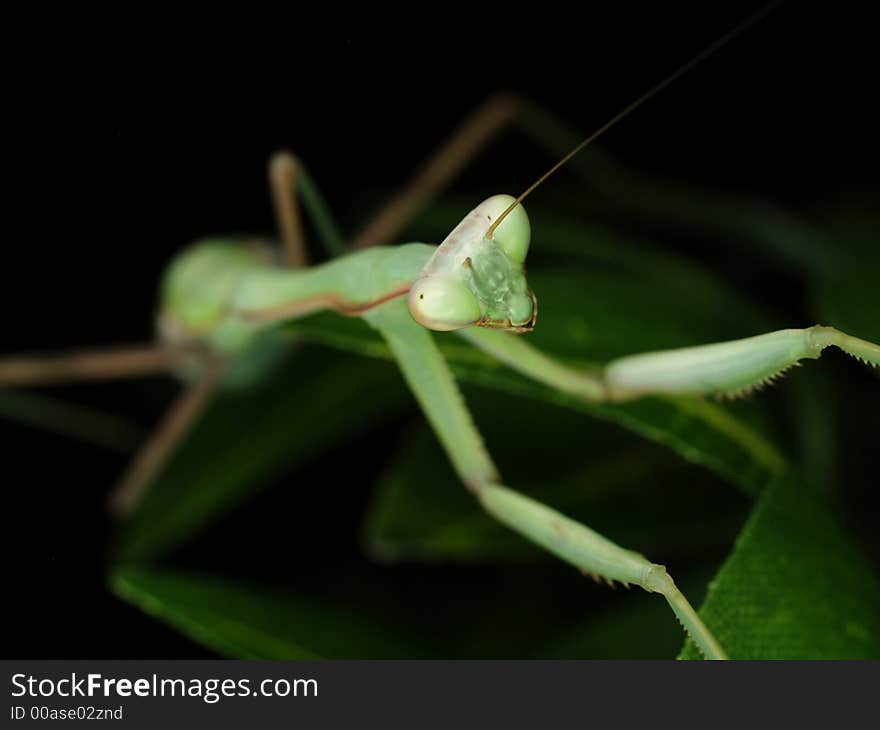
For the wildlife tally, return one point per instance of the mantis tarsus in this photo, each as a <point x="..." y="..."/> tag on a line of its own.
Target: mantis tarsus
<point x="218" y="296"/>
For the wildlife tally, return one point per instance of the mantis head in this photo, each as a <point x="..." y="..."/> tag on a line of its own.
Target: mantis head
<point x="476" y="277"/>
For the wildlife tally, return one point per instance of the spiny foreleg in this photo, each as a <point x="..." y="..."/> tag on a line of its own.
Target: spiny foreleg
<point x="432" y="383"/>
<point x="728" y="368"/>
<point x="724" y="368"/>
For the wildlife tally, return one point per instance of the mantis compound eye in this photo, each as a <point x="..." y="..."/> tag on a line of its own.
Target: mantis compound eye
<point x="514" y="232"/>
<point x="443" y="303"/>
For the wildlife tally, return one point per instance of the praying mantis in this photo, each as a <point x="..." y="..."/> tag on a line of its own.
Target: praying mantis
<point x="221" y="298"/>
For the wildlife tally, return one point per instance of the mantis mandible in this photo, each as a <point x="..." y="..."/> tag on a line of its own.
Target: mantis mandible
<point x="219" y="298"/>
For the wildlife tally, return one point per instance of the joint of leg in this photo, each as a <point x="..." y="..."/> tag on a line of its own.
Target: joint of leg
<point x="655" y="579"/>
<point x="475" y="483"/>
<point x="283" y="165"/>
<point x="613" y="394"/>
<point x="819" y="337"/>
<point x="505" y="104"/>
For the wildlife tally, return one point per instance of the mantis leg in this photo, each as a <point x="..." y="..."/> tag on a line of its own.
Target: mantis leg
<point x="726" y="368"/>
<point x="491" y="118"/>
<point x="288" y="178"/>
<point x="150" y="458"/>
<point x="434" y="387"/>
<point x="283" y="171"/>
<point x="111" y="363"/>
<point x="117" y="363"/>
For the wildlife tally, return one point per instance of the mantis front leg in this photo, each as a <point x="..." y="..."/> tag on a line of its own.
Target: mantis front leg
<point x="725" y="368"/>
<point x="432" y="383"/>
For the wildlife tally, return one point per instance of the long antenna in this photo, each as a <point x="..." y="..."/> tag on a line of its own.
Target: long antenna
<point x="675" y="75"/>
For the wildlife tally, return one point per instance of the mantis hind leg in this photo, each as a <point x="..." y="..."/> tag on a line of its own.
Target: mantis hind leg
<point x="84" y="365"/>
<point x="491" y="118"/>
<point x="152" y="456"/>
<point x="433" y="385"/>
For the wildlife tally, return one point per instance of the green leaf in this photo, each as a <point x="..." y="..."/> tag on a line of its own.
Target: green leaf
<point x="249" y="622"/>
<point x="247" y="435"/>
<point x="795" y="585"/>
<point x="634" y="492"/>
<point x="441" y="614"/>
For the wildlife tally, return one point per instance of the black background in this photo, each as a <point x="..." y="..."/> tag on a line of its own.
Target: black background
<point x="135" y="128"/>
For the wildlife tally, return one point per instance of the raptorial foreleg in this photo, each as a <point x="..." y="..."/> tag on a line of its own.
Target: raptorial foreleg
<point x="432" y="383"/>
<point x="729" y="368"/>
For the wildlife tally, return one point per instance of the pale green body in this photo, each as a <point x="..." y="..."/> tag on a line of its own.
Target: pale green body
<point x="227" y="307"/>
<point x="225" y="295"/>
<point x="359" y="278"/>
